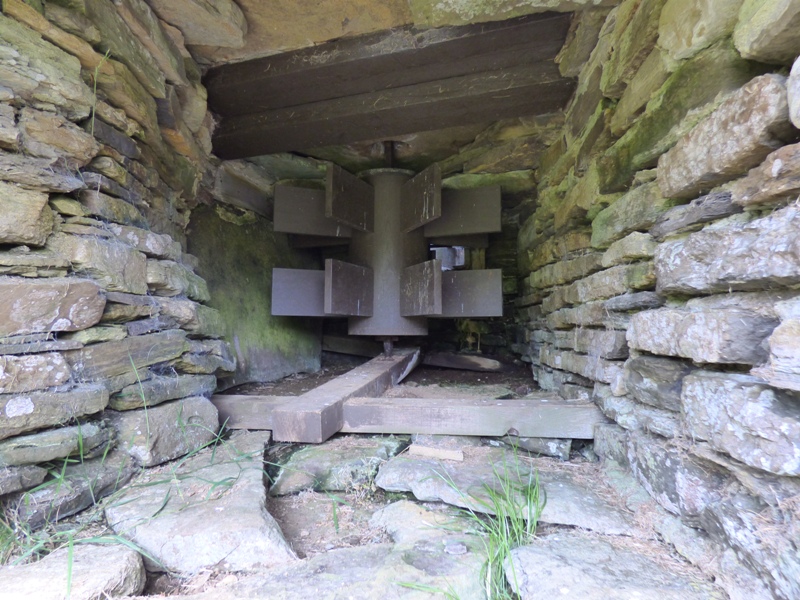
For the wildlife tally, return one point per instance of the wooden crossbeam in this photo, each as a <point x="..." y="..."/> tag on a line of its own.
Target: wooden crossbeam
<point x="381" y="61"/>
<point x="348" y="289"/>
<point x="421" y="289"/>
<point x="467" y="212"/>
<point x="348" y="199"/>
<point x="467" y="294"/>
<point x="422" y="199"/>
<point x="316" y="415"/>
<point x="545" y="415"/>
<point x="302" y="211"/>
<point x="298" y="293"/>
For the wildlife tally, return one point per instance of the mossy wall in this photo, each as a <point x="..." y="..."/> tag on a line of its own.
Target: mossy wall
<point x="237" y="254"/>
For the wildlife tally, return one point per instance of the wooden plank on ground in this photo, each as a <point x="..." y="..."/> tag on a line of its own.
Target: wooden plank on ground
<point x="302" y="211"/>
<point x="317" y="415"/>
<point x="466" y="212"/>
<point x="467" y="294"/>
<point x="348" y="289"/>
<point x="421" y="199"/>
<point x="298" y="293"/>
<point x="421" y="289"/>
<point x="546" y="416"/>
<point x="466" y="362"/>
<point x="348" y="199"/>
<point x="247" y="412"/>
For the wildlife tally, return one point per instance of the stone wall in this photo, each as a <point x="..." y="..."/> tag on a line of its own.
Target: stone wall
<point x="104" y="152"/>
<point x="663" y="271"/>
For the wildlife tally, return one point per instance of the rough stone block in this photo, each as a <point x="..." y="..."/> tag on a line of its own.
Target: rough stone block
<point x="37" y="410"/>
<point x="16" y="479"/>
<point x="208" y="356"/>
<point x="115" y="266"/>
<point x="26" y="373"/>
<point x="743" y="130"/>
<point x="783" y="368"/>
<point x="591" y="314"/>
<point x="159" y="389"/>
<point x="168" y="278"/>
<point x="97" y="334"/>
<point x="615" y="281"/>
<point x="554" y="248"/>
<point x="593" y="368"/>
<point x="84" y="483"/>
<point x="50" y="135"/>
<point x="776" y="180"/>
<point x="793" y="89"/>
<point x="86" y="570"/>
<point x="26" y="218"/>
<point x="9" y="132"/>
<point x="656" y="380"/>
<point x="634" y="246"/>
<point x="605" y="343"/>
<point x="731" y="335"/>
<point x="690" y="216"/>
<point x="48" y="305"/>
<point x="149" y="243"/>
<point x="218" y="23"/>
<point x="743" y="417"/>
<point x="565" y="271"/>
<point x="634" y="301"/>
<point x="581" y="41"/>
<point x="581" y="200"/>
<point x="645" y="83"/>
<point x="196" y="319"/>
<point x="611" y="442"/>
<point x="166" y="431"/>
<point x="688" y="26"/>
<point x="21" y="261"/>
<point x="675" y="481"/>
<point x="637" y="210"/>
<point x="38" y="174"/>
<point x="53" y="444"/>
<point x="759" y="254"/>
<point x="41" y="74"/>
<point x="767" y="31"/>
<point x="690" y="93"/>
<point x="634" y="36"/>
<point x="111" y="209"/>
<point x="110" y="359"/>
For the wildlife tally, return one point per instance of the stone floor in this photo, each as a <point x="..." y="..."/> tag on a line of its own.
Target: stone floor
<point x="364" y="517"/>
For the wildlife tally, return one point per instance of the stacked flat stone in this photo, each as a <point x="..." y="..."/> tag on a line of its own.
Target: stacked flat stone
<point x="662" y="268"/>
<point x="108" y="350"/>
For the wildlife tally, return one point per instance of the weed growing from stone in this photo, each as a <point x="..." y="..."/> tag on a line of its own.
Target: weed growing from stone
<point x="506" y="518"/>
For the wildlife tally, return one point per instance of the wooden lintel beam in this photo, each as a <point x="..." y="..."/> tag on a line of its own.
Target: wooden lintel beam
<point x="521" y="91"/>
<point x="380" y="61"/>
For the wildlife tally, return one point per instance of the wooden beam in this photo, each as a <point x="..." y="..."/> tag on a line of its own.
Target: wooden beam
<point x="302" y="211"/>
<point x="247" y="412"/>
<point x="298" y="293"/>
<point x="381" y="61"/>
<point x="348" y="199"/>
<point x="317" y="415"/>
<point x="422" y="199"/>
<point x="547" y="416"/>
<point x="467" y="212"/>
<point x="348" y="289"/>
<point x="421" y="289"/>
<point x="467" y="294"/>
<point x="490" y="96"/>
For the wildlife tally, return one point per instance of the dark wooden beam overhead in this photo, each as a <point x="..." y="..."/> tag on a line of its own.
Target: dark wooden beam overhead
<point x="389" y="84"/>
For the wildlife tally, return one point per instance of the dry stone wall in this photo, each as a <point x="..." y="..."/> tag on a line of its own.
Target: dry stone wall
<point x="661" y="267"/>
<point x="108" y="347"/>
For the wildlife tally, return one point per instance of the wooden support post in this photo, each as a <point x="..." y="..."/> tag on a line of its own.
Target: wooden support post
<point x="317" y="415"/>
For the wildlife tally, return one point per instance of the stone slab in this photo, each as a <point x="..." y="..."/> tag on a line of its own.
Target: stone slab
<point x="600" y="569"/>
<point x="26" y="218"/>
<point x="638" y="210"/>
<point x="168" y="278"/>
<point x="634" y="246"/>
<point x="687" y="26"/>
<point x="656" y="380"/>
<point x="219" y="23"/>
<point x="210" y="514"/>
<point x="793" y="89"/>
<point x="730" y="335"/>
<point x="37" y="174"/>
<point x="743" y="130"/>
<point x="766" y="31"/>
<point x="461" y="483"/>
<point x="38" y="410"/>
<point x="30" y="372"/>
<point x="50" y="135"/>
<point x="158" y="389"/>
<point x="691" y="216"/>
<point x="167" y="431"/>
<point x="82" y="572"/>
<point x="774" y="181"/>
<point x="16" y="479"/>
<point x="52" y="444"/>
<point x="743" y="417"/>
<point x="734" y="255"/>
<point x="196" y="319"/>
<point x="343" y="463"/>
